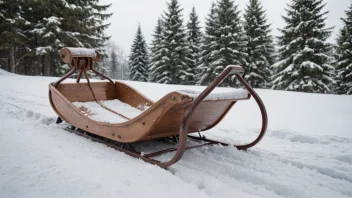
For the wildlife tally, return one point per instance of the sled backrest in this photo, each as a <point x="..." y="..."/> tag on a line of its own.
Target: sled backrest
<point x="80" y="92"/>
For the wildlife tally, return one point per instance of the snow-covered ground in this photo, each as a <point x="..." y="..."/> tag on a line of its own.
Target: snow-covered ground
<point x="307" y="151"/>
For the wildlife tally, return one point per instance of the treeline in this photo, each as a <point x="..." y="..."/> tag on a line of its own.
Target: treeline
<point x="115" y="63"/>
<point x="301" y="59"/>
<point x="33" y="31"/>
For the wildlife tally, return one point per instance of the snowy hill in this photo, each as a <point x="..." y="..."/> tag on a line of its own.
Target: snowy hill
<point x="307" y="151"/>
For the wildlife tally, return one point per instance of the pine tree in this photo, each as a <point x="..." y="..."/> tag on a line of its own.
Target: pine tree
<point x="260" y="47"/>
<point x="226" y="46"/>
<point x="344" y="58"/>
<point x="303" y="61"/>
<point x="114" y="64"/>
<point x="11" y="30"/>
<point x="40" y="28"/>
<point x="232" y="46"/>
<point x="205" y="72"/>
<point x="155" y="52"/>
<point x="194" y="39"/>
<point x="138" y="59"/>
<point x="173" y="67"/>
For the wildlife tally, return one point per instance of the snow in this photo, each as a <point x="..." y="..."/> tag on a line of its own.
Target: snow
<point x="77" y="51"/>
<point x="43" y="50"/>
<point x="52" y="20"/>
<point x="305" y="153"/>
<point x="234" y="94"/>
<point x="94" y="111"/>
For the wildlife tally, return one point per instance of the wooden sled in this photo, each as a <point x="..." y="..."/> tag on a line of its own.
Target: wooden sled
<point x="175" y="115"/>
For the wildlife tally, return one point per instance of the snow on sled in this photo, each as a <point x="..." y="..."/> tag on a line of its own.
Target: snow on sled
<point x="117" y="115"/>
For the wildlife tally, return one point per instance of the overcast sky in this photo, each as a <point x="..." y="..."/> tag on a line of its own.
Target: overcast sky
<point x="128" y="13"/>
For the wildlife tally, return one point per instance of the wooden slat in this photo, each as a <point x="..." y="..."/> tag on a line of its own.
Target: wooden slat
<point x="80" y="92"/>
<point x="131" y="96"/>
<point x="204" y="117"/>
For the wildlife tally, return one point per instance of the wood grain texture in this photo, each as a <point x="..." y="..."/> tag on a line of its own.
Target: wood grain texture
<point x="131" y="96"/>
<point x="80" y="92"/>
<point x="207" y="115"/>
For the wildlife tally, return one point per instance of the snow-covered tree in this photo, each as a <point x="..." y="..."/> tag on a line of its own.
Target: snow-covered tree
<point x="11" y="30"/>
<point x="155" y="52"/>
<point x="344" y="56"/>
<point x="194" y="36"/>
<point x="114" y="64"/>
<point x="260" y="48"/>
<point x="138" y="59"/>
<point x="303" y="61"/>
<point x="173" y="67"/>
<point x="227" y="46"/>
<point x="204" y="70"/>
<point x="48" y="25"/>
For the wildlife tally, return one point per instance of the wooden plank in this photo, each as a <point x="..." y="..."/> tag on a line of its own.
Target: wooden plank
<point x="80" y="92"/>
<point x="206" y="115"/>
<point x="131" y="96"/>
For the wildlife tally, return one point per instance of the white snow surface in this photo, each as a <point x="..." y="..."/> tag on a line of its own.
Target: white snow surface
<point x="98" y="113"/>
<point x="230" y="94"/>
<point x="307" y="150"/>
<point x="78" y="51"/>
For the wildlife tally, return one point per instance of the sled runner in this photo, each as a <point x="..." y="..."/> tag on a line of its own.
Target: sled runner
<point x="175" y="115"/>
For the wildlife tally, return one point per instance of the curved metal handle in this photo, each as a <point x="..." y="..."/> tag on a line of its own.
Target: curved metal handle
<point x="231" y="69"/>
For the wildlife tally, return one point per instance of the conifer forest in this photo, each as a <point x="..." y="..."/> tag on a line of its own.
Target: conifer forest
<point x="181" y="50"/>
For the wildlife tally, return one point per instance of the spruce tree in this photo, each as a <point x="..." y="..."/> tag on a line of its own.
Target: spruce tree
<point x="227" y="46"/>
<point x="231" y="43"/>
<point x="204" y="71"/>
<point x="194" y="39"/>
<point x="173" y="68"/>
<point x="11" y="30"/>
<point x="155" y="52"/>
<point x="344" y="58"/>
<point x="303" y="61"/>
<point x="113" y="64"/>
<point x="40" y="28"/>
<point x="260" y="47"/>
<point x="138" y="59"/>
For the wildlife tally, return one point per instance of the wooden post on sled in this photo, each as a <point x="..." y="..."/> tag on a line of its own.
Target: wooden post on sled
<point x="175" y="115"/>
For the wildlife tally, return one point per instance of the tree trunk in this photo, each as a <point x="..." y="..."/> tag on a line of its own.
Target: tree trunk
<point x="40" y="65"/>
<point x="6" y="63"/>
<point x="47" y="65"/>
<point x="43" y="66"/>
<point x="12" y="60"/>
<point x="25" y="67"/>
